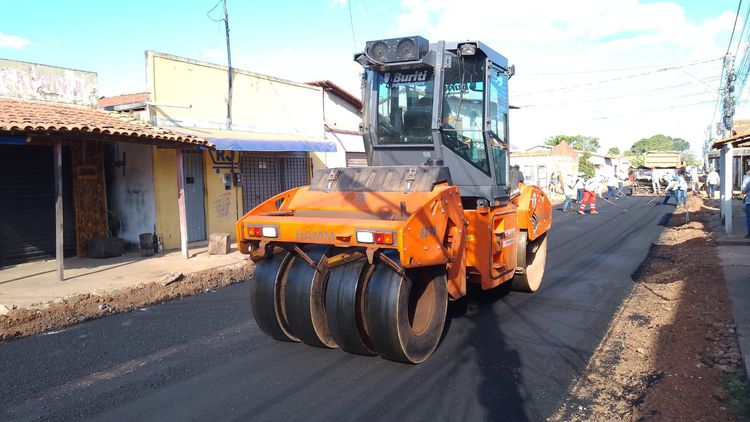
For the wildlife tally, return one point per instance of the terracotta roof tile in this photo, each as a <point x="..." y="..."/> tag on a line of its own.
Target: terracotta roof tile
<point x="138" y="97"/>
<point x="741" y="127"/>
<point x="31" y="117"/>
<point x="341" y="92"/>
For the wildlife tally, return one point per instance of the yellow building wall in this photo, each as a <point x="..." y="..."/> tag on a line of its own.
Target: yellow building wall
<point x="165" y="192"/>
<point x="223" y="207"/>
<point x="191" y="93"/>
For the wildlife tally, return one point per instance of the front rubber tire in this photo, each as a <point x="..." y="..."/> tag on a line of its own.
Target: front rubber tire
<point x="406" y="314"/>
<point x="268" y="296"/>
<point x="305" y="300"/>
<point x="345" y="306"/>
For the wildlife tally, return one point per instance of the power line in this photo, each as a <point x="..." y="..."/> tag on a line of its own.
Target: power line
<point x="744" y="27"/>
<point x="621" y="69"/>
<point x="351" y="23"/>
<point x="587" y="84"/>
<point x="634" y="94"/>
<point x="736" y="15"/>
<point x="212" y="9"/>
<point x="652" y="109"/>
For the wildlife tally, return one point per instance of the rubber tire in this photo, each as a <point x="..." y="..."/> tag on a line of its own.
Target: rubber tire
<point x="267" y="293"/>
<point x="530" y="265"/>
<point x="387" y="313"/>
<point x="345" y="307"/>
<point x="305" y="300"/>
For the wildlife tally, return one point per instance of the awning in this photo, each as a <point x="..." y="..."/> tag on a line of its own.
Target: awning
<point x="351" y="142"/>
<point x="234" y="140"/>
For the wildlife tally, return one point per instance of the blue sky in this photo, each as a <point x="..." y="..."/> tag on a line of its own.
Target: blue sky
<point x="311" y="40"/>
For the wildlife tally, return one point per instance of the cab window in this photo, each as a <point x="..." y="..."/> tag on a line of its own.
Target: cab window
<point x="463" y="110"/>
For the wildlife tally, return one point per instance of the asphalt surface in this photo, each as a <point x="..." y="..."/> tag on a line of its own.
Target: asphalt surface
<point x="504" y="356"/>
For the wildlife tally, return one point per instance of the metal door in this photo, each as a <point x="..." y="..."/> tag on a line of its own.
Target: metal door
<point x="265" y="175"/>
<point x="27" y="204"/>
<point x="356" y="159"/>
<point x="195" y="194"/>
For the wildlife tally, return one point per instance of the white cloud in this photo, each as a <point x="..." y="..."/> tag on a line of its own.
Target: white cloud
<point x="13" y="41"/>
<point x="552" y="36"/>
<point x="214" y="54"/>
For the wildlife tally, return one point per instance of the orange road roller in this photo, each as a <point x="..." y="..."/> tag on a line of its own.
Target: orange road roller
<point x="366" y="259"/>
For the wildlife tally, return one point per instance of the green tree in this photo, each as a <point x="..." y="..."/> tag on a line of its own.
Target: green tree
<point x="579" y="142"/>
<point x="585" y="166"/>
<point x="691" y="159"/>
<point x="635" y="160"/>
<point x="613" y="151"/>
<point x="659" y="143"/>
<point x="680" y="144"/>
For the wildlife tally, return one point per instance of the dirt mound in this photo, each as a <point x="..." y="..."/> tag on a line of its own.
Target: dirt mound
<point x="82" y="307"/>
<point x="671" y="349"/>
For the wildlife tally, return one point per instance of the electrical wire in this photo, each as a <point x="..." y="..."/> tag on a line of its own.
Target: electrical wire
<point x="647" y="93"/>
<point x="621" y="69"/>
<point x="625" y="77"/>
<point x="734" y="27"/>
<point x="651" y="110"/>
<point x="744" y="27"/>
<point x="214" y="8"/>
<point x="351" y="23"/>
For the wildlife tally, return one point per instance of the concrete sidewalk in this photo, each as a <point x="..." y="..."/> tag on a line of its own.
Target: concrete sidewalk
<point x="734" y="252"/>
<point x="33" y="284"/>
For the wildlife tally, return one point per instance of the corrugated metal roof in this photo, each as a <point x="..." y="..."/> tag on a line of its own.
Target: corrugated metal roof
<point x="234" y="140"/>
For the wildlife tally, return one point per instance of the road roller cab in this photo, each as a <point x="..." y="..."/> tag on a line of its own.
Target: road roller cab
<point x="367" y="258"/>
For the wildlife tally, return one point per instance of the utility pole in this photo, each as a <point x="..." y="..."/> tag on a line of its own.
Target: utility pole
<point x="728" y="105"/>
<point x="230" y="71"/>
<point x="726" y="161"/>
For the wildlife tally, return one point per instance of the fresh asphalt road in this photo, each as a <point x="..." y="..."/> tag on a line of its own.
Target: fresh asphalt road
<point x="504" y="356"/>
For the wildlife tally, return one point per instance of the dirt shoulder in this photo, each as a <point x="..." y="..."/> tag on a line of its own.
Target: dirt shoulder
<point x="671" y="351"/>
<point x="82" y="307"/>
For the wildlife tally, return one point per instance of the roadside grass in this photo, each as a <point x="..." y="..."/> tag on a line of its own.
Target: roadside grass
<point x="737" y="402"/>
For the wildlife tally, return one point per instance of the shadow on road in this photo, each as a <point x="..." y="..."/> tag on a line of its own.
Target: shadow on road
<point x="500" y="390"/>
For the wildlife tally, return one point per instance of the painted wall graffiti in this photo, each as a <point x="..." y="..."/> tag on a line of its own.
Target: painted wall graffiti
<point x="224" y="160"/>
<point x="30" y="81"/>
<point x="222" y="204"/>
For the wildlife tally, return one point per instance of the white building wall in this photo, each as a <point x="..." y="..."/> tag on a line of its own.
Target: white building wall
<point x="339" y="115"/>
<point x="132" y="194"/>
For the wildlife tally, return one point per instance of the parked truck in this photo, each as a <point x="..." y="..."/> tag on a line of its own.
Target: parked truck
<point x="662" y="165"/>
<point x="366" y="259"/>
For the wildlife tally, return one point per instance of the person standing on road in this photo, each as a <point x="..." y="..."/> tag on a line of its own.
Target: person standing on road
<point x="681" y="190"/>
<point x="589" y="195"/>
<point x="746" y="192"/>
<point x="568" y="191"/>
<point x="654" y="181"/>
<point x="694" y="180"/>
<point x="713" y="183"/>
<point x="553" y="183"/>
<point x="580" y="184"/>
<point x="611" y="187"/>
<point x="671" y="190"/>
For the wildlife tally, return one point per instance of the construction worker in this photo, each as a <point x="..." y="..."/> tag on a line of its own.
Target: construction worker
<point x="670" y="190"/>
<point x="713" y="182"/>
<point x="580" y="184"/>
<point x="568" y="191"/>
<point x="589" y="194"/>
<point x="677" y="187"/>
<point x="654" y="181"/>
<point x="682" y="188"/>
<point x="746" y="191"/>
